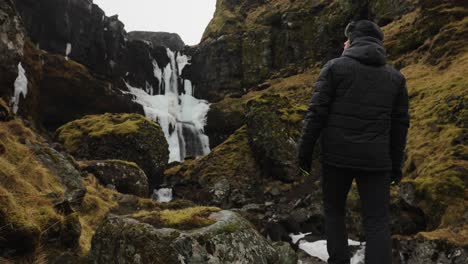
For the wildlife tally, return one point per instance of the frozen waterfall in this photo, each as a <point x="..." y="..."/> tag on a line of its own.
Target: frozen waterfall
<point x="181" y="116"/>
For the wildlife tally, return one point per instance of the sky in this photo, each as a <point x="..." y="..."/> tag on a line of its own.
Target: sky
<point x="188" y="18"/>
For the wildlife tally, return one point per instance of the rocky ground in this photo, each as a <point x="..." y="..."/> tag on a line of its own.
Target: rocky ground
<point x="79" y="161"/>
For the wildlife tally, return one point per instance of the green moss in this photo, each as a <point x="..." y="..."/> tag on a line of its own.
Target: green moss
<point x="187" y="218"/>
<point x="97" y="126"/>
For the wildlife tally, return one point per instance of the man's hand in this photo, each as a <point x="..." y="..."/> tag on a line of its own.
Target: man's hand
<point x="305" y="164"/>
<point x="397" y="174"/>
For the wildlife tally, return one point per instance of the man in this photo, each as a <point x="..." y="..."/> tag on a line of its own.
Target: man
<point x="360" y="110"/>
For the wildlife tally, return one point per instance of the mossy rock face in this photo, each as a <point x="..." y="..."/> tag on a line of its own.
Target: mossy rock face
<point x="273" y="125"/>
<point x="129" y="137"/>
<point x="227" y="239"/>
<point x="126" y="177"/>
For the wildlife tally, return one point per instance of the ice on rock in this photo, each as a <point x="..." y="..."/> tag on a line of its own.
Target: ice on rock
<point x="21" y="88"/>
<point x="68" y="50"/>
<point x="181" y="116"/>
<point x="163" y="195"/>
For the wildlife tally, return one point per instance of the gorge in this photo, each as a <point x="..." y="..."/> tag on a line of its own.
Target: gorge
<point x="93" y="119"/>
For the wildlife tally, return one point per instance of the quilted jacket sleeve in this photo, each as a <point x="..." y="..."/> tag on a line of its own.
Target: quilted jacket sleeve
<point x="316" y="116"/>
<point x="399" y="130"/>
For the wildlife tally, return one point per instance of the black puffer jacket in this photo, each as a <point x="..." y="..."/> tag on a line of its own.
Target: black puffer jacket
<point x="360" y="109"/>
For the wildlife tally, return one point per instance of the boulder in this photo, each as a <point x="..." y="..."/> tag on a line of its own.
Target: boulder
<point x="225" y="238"/>
<point x="273" y="126"/>
<point x="126" y="177"/>
<point x="422" y="249"/>
<point x="129" y="137"/>
<point x="63" y="166"/>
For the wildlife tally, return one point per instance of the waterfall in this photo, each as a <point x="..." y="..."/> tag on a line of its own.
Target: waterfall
<point x="181" y="116"/>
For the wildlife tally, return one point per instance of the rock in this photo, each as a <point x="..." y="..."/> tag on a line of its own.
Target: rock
<point x="419" y="250"/>
<point x="227" y="177"/>
<point x="247" y="41"/>
<point x="64" y="168"/>
<point x="129" y="137"/>
<point x="165" y="39"/>
<point x="127" y="177"/>
<point x="80" y="26"/>
<point x="61" y="91"/>
<point x="227" y="239"/>
<point x="285" y="253"/>
<point x="273" y="125"/>
<point x="11" y="47"/>
<point x="223" y="119"/>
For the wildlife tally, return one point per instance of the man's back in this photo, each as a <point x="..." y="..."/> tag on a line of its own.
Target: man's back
<point x="357" y="133"/>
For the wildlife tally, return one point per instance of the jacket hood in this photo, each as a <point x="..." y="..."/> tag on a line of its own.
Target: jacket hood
<point x="367" y="50"/>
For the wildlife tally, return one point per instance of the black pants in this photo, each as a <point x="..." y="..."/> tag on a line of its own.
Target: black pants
<point x="374" y="193"/>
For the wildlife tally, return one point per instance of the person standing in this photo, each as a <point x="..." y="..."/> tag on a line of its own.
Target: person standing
<point x="359" y="110"/>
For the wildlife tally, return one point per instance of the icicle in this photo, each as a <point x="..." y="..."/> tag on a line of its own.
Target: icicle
<point x="21" y="88"/>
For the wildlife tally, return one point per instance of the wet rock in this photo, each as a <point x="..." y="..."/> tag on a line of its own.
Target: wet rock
<point x="127" y="177"/>
<point x="129" y="137"/>
<point x="229" y="239"/>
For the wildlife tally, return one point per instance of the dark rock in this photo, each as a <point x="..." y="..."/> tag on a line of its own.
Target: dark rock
<point x="95" y="40"/>
<point x="11" y="47"/>
<point x="285" y="253"/>
<point x="127" y="177"/>
<point x="420" y="250"/>
<point x="71" y="231"/>
<point x="129" y="137"/>
<point x="165" y="39"/>
<point x="230" y="239"/>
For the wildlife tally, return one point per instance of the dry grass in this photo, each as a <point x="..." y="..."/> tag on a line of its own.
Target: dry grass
<point x="96" y="204"/>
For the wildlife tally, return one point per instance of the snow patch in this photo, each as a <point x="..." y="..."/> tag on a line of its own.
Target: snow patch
<point x="21" y="88"/>
<point x="318" y="249"/>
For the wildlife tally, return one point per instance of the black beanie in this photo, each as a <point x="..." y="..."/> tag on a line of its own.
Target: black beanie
<point x="363" y="28"/>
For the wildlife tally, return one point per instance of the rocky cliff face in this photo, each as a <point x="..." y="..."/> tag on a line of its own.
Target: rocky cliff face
<point x="248" y="42"/>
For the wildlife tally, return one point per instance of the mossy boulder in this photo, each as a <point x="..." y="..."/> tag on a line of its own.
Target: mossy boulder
<point x="225" y="238"/>
<point x="129" y="137"/>
<point x="126" y="177"/>
<point x="229" y="176"/>
<point x="273" y="126"/>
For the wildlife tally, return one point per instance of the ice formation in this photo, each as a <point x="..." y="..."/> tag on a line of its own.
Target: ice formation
<point x="68" y="50"/>
<point x="181" y="116"/>
<point x="163" y="195"/>
<point x="21" y="88"/>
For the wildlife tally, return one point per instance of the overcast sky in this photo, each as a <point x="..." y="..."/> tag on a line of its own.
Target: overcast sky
<point x="188" y="18"/>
